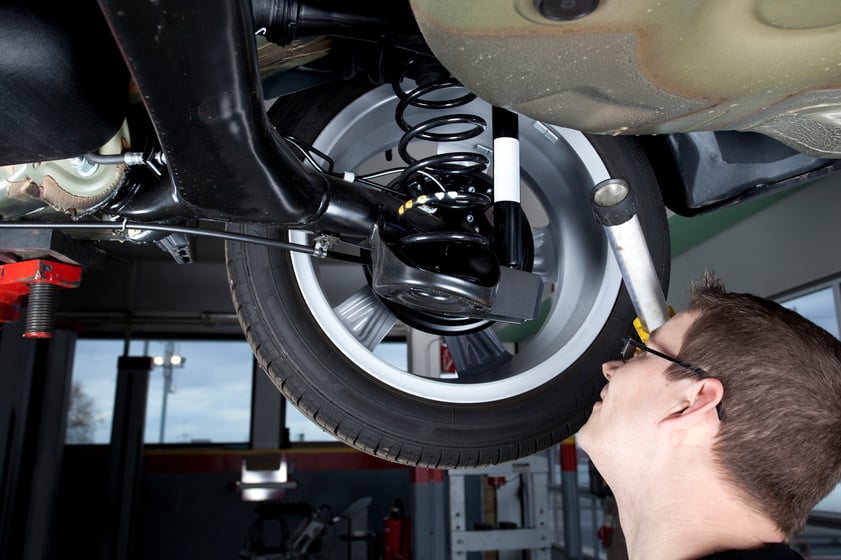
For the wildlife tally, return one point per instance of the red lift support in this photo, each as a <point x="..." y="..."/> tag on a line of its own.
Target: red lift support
<point x="38" y="279"/>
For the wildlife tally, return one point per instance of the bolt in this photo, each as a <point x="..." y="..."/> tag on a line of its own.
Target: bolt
<point x="565" y="10"/>
<point x="484" y="149"/>
<point x="83" y="167"/>
<point x="469" y="218"/>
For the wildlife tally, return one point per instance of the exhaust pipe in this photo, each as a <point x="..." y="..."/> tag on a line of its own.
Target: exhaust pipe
<point x="614" y="208"/>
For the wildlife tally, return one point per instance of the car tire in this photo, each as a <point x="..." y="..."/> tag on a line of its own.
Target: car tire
<point x="411" y="418"/>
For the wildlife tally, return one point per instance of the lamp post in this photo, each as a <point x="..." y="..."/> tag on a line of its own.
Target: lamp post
<point x="168" y="361"/>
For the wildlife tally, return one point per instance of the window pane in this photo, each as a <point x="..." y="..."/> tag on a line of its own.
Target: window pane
<point x="832" y="502"/>
<point x="209" y="396"/>
<point x="395" y="353"/>
<point x="818" y="307"/>
<point x="302" y="428"/>
<point x="92" y="396"/>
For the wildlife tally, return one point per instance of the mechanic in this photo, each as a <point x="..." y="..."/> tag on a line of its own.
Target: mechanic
<point x="720" y="435"/>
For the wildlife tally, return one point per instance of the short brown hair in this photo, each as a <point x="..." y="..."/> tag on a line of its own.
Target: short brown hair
<point x="780" y="438"/>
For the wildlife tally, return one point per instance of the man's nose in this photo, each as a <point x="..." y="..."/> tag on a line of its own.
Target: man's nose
<point x="609" y="367"/>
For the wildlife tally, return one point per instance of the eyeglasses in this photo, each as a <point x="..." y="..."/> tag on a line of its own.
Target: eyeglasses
<point x="631" y="346"/>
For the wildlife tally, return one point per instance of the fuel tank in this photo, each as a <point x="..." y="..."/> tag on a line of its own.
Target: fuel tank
<point x="652" y="66"/>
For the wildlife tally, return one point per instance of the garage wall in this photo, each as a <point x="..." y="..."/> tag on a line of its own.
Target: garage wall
<point x="791" y="243"/>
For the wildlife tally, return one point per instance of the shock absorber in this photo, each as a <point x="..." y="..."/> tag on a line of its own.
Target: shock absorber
<point x="509" y="234"/>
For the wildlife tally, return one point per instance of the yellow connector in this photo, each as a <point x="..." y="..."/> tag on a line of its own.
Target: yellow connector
<point x="644" y="334"/>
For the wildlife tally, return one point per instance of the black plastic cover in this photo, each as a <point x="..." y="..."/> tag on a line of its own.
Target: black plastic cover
<point x="63" y="83"/>
<point x="703" y="171"/>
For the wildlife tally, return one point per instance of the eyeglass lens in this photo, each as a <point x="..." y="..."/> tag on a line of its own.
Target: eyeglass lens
<point x="627" y="350"/>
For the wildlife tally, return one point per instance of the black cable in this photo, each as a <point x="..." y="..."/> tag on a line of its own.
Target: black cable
<point x="305" y="150"/>
<point x="374" y="185"/>
<point x="201" y="232"/>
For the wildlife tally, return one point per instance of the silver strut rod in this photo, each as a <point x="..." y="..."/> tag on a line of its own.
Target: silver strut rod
<point x="614" y="207"/>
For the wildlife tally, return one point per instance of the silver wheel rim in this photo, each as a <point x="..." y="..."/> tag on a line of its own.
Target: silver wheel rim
<point x="560" y="166"/>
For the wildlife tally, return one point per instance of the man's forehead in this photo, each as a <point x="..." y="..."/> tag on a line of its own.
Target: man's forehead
<point x="669" y="337"/>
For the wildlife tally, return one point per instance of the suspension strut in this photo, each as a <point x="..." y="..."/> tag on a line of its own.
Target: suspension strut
<point x="457" y="175"/>
<point x="460" y="267"/>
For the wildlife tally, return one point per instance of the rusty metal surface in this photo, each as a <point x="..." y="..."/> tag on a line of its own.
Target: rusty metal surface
<point x="654" y="66"/>
<point x="272" y="57"/>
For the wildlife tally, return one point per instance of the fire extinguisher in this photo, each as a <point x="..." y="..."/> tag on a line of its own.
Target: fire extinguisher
<point x="396" y="534"/>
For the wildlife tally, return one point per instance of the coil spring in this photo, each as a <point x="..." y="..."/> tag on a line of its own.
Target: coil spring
<point x="439" y="165"/>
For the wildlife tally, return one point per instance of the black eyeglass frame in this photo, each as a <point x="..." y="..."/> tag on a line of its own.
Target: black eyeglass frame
<point x="628" y="343"/>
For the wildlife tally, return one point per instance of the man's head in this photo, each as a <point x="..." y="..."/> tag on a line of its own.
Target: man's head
<point x="643" y="410"/>
<point x="774" y="376"/>
<point x="779" y="443"/>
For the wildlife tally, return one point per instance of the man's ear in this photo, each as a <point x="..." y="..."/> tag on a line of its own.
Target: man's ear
<point x="699" y="397"/>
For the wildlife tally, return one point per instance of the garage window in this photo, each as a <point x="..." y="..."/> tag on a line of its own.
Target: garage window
<point x="199" y="391"/>
<point x="209" y="391"/>
<point x="819" y="304"/>
<point x="208" y="398"/>
<point x="91" y="404"/>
